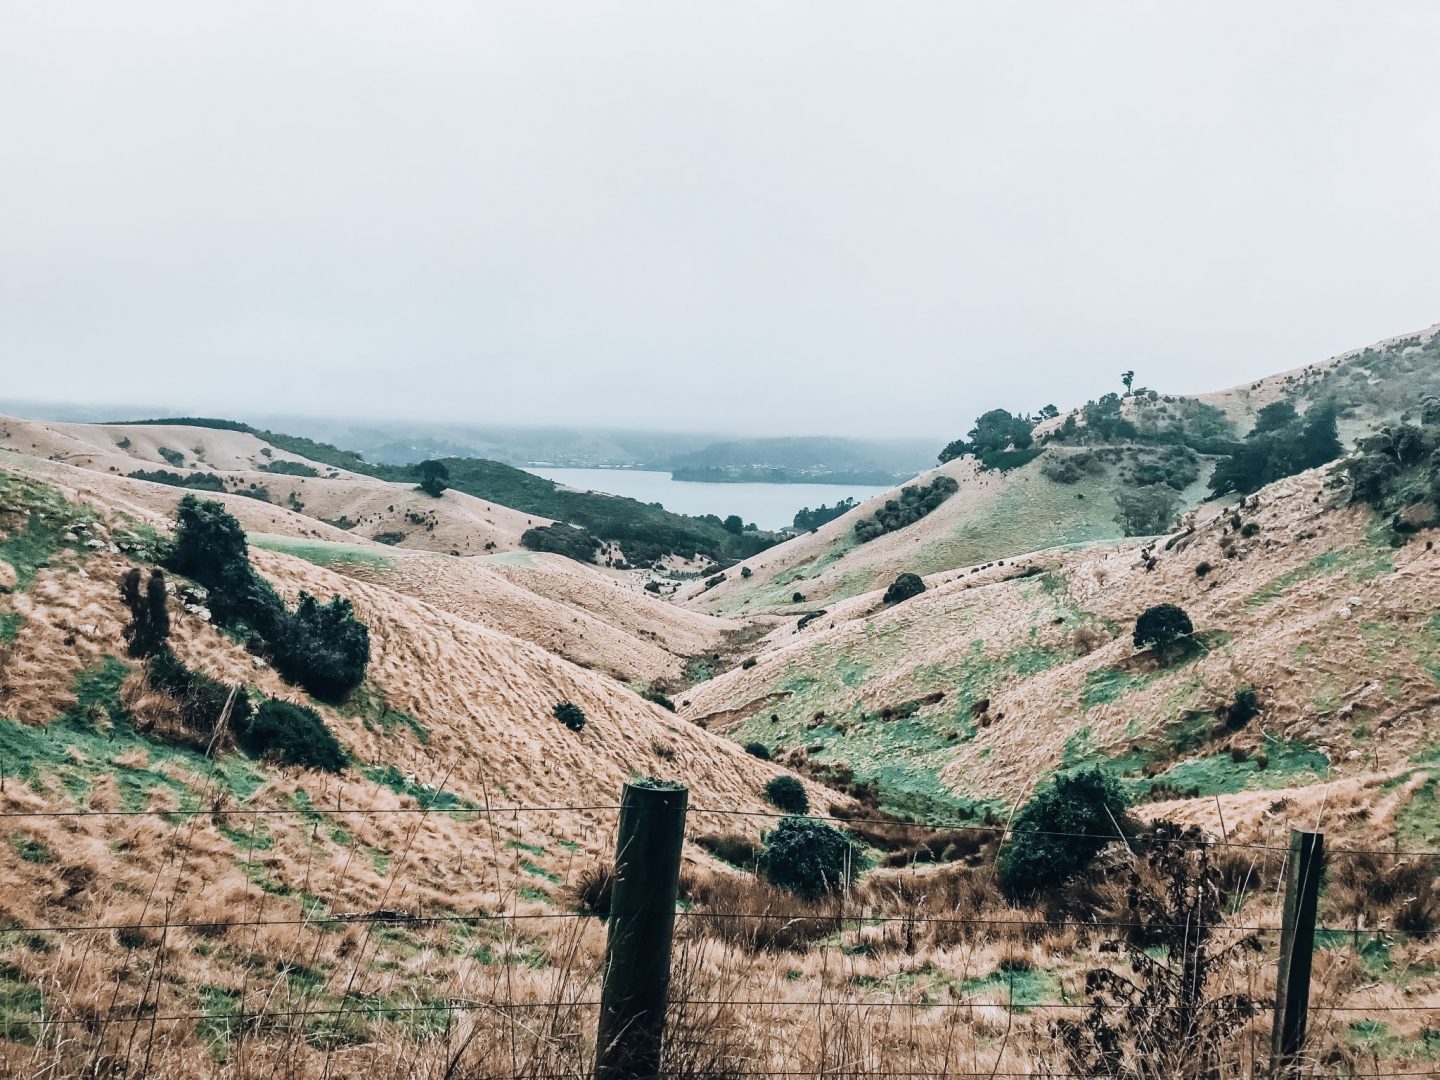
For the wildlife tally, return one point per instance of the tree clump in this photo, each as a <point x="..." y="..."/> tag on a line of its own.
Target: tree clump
<point x="915" y="501"/>
<point x="1061" y="828"/>
<point x="1146" y="511"/>
<point x="561" y="539"/>
<point x="904" y="587"/>
<point x="809" y="858"/>
<point x="994" y="432"/>
<point x="1163" y="627"/>
<point x="1282" y="443"/>
<point x="434" y="477"/>
<point x="788" y="794"/>
<point x="323" y="648"/>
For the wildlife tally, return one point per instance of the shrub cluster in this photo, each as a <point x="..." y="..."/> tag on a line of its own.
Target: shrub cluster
<point x="321" y="647"/>
<point x="1061" y="828"/>
<point x="200" y="698"/>
<point x="805" y="520"/>
<point x="914" y="503"/>
<point x="289" y="468"/>
<point x="788" y="794"/>
<point x="904" y="587"/>
<point x="200" y="481"/>
<point x="289" y="735"/>
<point x="1161" y="627"/>
<point x="809" y="858"/>
<point x="994" y="431"/>
<point x="1146" y="511"/>
<point x="561" y="539"/>
<point x="1281" y="444"/>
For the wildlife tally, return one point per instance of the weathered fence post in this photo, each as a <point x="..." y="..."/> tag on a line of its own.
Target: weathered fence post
<point x="642" y="924"/>
<point x="1297" y="946"/>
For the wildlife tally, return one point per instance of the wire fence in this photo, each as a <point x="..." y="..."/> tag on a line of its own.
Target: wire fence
<point x="247" y="1014"/>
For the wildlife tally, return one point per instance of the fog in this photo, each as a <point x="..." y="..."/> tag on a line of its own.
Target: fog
<point x="827" y="217"/>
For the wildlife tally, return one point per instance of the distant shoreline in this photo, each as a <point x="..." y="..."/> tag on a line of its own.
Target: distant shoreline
<point x="743" y="475"/>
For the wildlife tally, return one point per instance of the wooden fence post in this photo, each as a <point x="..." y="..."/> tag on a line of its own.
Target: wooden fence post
<point x="1297" y="945"/>
<point x="642" y="924"/>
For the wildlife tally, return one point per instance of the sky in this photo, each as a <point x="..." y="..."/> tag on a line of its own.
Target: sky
<point x="765" y="218"/>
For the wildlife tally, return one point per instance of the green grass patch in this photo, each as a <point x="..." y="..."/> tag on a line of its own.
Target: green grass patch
<point x="324" y="552"/>
<point x="1019" y="989"/>
<point x="36" y="520"/>
<point x="22" y="1004"/>
<point x="30" y="849"/>
<point x="428" y="797"/>
<point x="367" y="704"/>
<point x="10" y="623"/>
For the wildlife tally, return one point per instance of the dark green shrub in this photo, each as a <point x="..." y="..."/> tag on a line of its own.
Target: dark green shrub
<point x="788" y="794"/>
<point x="797" y="598"/>
<point x="1202" y="568"/>
<point x="807" y="619"/>
<point x="915" y="502"/>
<point x="1243" y="709"/>
<point x="290" y="735"/>
<point x="1162" y="626"/>
<point x="196" y="480"/>
<point x="570" y="714"/>
<point x="1087" y="807"/>
<point x="746" y="572"/>
<point x="210" y="548"/>
<point x="561" y="539"/>
<point x="149" y="625"/>
<point x="289" y="468"/>
<point x="809" y="858"/>
<point x="748" y="663"/>
<point x="903" y="588"/>
<point x="652" y="586"/>
<point x="391" y="538"/>
<point x="761" y="751"/>
<point x="659" y="699"/>
<point x="993" y="432"/>
<point x="322" y="647"/>
<point x="200" y="698"/>
<point x="807" y="520"/>
<point x="174" y="457"/>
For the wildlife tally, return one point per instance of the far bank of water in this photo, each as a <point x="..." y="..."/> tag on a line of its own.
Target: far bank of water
<point x="770" y="506"/>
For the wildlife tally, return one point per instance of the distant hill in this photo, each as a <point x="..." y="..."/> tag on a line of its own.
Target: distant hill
<point x="805" y="459"/>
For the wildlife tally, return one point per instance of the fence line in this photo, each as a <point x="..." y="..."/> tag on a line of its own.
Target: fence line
<point x="933" y="826"/>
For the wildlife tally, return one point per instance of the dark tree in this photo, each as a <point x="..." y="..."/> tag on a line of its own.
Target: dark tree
<point x="1162" y="626"/>
<point x="1128" y="378"/>
<point x="904" y="587"/>
<point x="323" y="647"/>
<point x="733" y="525"/>
<point x="434" y="477"/>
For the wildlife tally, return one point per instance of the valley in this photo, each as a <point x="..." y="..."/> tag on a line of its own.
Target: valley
<point x="994" y="665"/>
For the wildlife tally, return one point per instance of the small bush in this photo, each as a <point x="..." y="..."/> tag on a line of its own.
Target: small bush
<point x="290" y="735"/>
<point x="561" y="539"/>
<point x="788" y="794"/>
<point x="761" y="751"/>
<point x="434" y="477"/>
<point x="746" y="572"/>
<point x="570" y="714"/>
<point x="659" y="699"/>
<point x="809" y="858"/>
<point x="1202" y="568"/>
<point x="1087" y="807"/>
<point x="1243" y="709"/>
<point x="594" y="888"/>
<point x="1162" y="627"/>
<point x="322" y="647"/>
<point x="808" y="618"/>
<point x="391" y="538"/>
<point x="748" y="663"/>
<point x="904" y="587"/>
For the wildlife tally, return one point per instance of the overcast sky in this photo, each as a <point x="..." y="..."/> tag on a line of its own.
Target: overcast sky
<point x="874" y="218"/>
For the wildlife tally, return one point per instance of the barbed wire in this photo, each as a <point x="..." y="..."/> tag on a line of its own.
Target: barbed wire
<point x="933" y="826"/>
